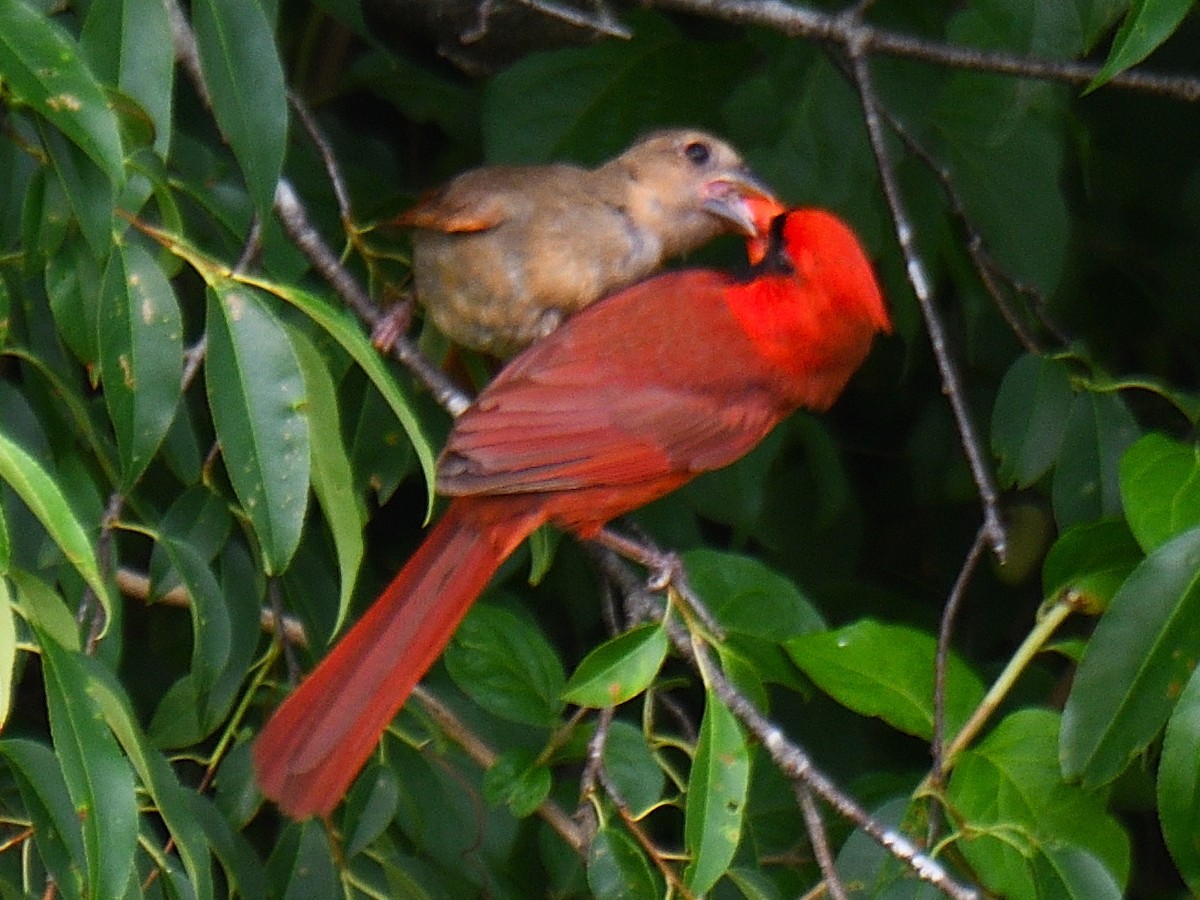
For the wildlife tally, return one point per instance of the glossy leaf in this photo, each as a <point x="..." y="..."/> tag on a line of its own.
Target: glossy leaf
<point x="750" y="598"/>
<point x="141" y="355"/>
<point x="506" y="666"/>
<point x="518" y="782"/>
<point x="245" y="81"/>
<point x="884" y="670"/>
<point x="618" y="669"/>
<point x="1178" y="787"/>
<point x="1160" y="489"/>
<point x="256" y="392"/>
<point x="43" y="69"/>
<point x="717" y="792"/>
<point x="45" y="499"/>
<point x="1136" y="664"/>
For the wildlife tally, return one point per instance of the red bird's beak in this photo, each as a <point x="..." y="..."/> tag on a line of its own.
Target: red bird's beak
<point x="738" y="198"/>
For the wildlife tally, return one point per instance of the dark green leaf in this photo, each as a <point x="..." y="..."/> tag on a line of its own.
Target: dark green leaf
<point x="57" y="829"/>
<point x="1147" y="24"/>
<point x="129" y="44"/>
<point x="1160" y="488"/>
<point x="1029" y="417"/>
<point x="141" y="355"/>
<point x="506" y="666"/>
<point x="1136" y="664"/>
<point x="716" y="796"/>
<point x="87" y="188"/>
<point x="1099" y="430"/>
<point x="633" y="768"/>
<point x="370" y="808"/>
<point x="1179" y="783"/>
<point x="1016" y="808"/>
<point x="618" y="669"/>
<point x="617" y="869"/>
<point x="256" y="392"/>
<point x="302" y="864"/>
<point x="517" y="781"/>
<point x="884" y="670"/>
<point x="1091" y="561"/>
<point x="332" y="478"/>
<point x="241" y="865"/>
<point x="748" y="597"/>
<point x="587" y="104"/>
<point x="1072" y="873"/>
<point x="245" y="80"/>
<point x="42" y="67"/>
<point x="98" y="777"/>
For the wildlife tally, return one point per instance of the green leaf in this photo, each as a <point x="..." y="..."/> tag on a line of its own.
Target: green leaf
<point x="332" y="478"/>
<point x="1147" y="24"/>
<point x="42" y="68"/>
<point x="98" y="776"/>
<point x="748" y="597"/>
<point x="618" y="669"/>
<point x="340" y="325"/>
<point x="240" y="862"/>
<point x="245" y="81"/>
<point x="632" y="767"/>
<point x="506" y="666"/>
<point x="1086" y="486"/>
<point x="140" y="340"/>
<point x="302" y="863"/>
<point x="8" y="651"/>
<point x="370" y="807"/>
<point x="256" y="393"/>
<point x="1016" y="808"/>
<point x="57" y="830"/>
<point x="1091" y="561"/>
<point x="1073" y="874"/>
<point x="517" y="781"/>
<point x="1179" y="784"/>
<point x="1160" y="489"/>
<point x="618" y="870"/>
<point x="588" y="103"/>
<point x="1029" y="417"/>
<point x="88" y="191"/>
<point x="716" y="796"/>
<point x="884" y="670"/>
<point x="129" y="44"/>
<point x="171" y="799"/>
<point x="1136" y="664"/>
<point x="47" y="502"/>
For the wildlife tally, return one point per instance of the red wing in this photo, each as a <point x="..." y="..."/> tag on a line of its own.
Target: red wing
<point x="656" y="380"/>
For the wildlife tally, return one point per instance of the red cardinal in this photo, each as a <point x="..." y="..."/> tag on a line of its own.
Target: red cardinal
<point x="628" y="400"/>
<point x="503" y="254"/>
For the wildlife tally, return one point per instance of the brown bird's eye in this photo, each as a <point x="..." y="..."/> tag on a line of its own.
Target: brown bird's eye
<point x="697" y="152"/>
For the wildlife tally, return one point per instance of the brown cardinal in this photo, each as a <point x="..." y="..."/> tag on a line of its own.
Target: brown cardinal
<point x="502" y="255"/>
<point x="636" y="395"/>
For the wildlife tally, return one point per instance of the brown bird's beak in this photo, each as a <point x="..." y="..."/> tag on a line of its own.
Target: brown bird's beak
<point x="729" y="197"/>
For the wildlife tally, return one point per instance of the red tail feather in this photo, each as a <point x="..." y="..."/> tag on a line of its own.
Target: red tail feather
<point x="318" y="740"/>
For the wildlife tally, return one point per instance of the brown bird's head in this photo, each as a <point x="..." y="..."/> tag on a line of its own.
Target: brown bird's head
<point x="690" y="186"/>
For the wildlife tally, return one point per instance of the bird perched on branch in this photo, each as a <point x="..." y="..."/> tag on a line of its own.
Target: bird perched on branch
<point x="503" y="254"/>
<point x="631" y="398"/>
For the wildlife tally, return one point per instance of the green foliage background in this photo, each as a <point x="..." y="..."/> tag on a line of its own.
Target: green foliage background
<point x="295" y="468"/>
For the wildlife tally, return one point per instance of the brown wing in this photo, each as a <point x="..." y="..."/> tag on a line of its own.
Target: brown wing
<point x="656" y="381"/>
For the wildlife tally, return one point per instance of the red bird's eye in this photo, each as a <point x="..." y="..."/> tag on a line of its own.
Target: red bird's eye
<point x="697" y="152"/>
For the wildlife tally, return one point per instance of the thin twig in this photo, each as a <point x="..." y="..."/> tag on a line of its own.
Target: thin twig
<point x="820" y="841"/>
<point x="952" y="386"/>
<point x="800" y="21"/>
